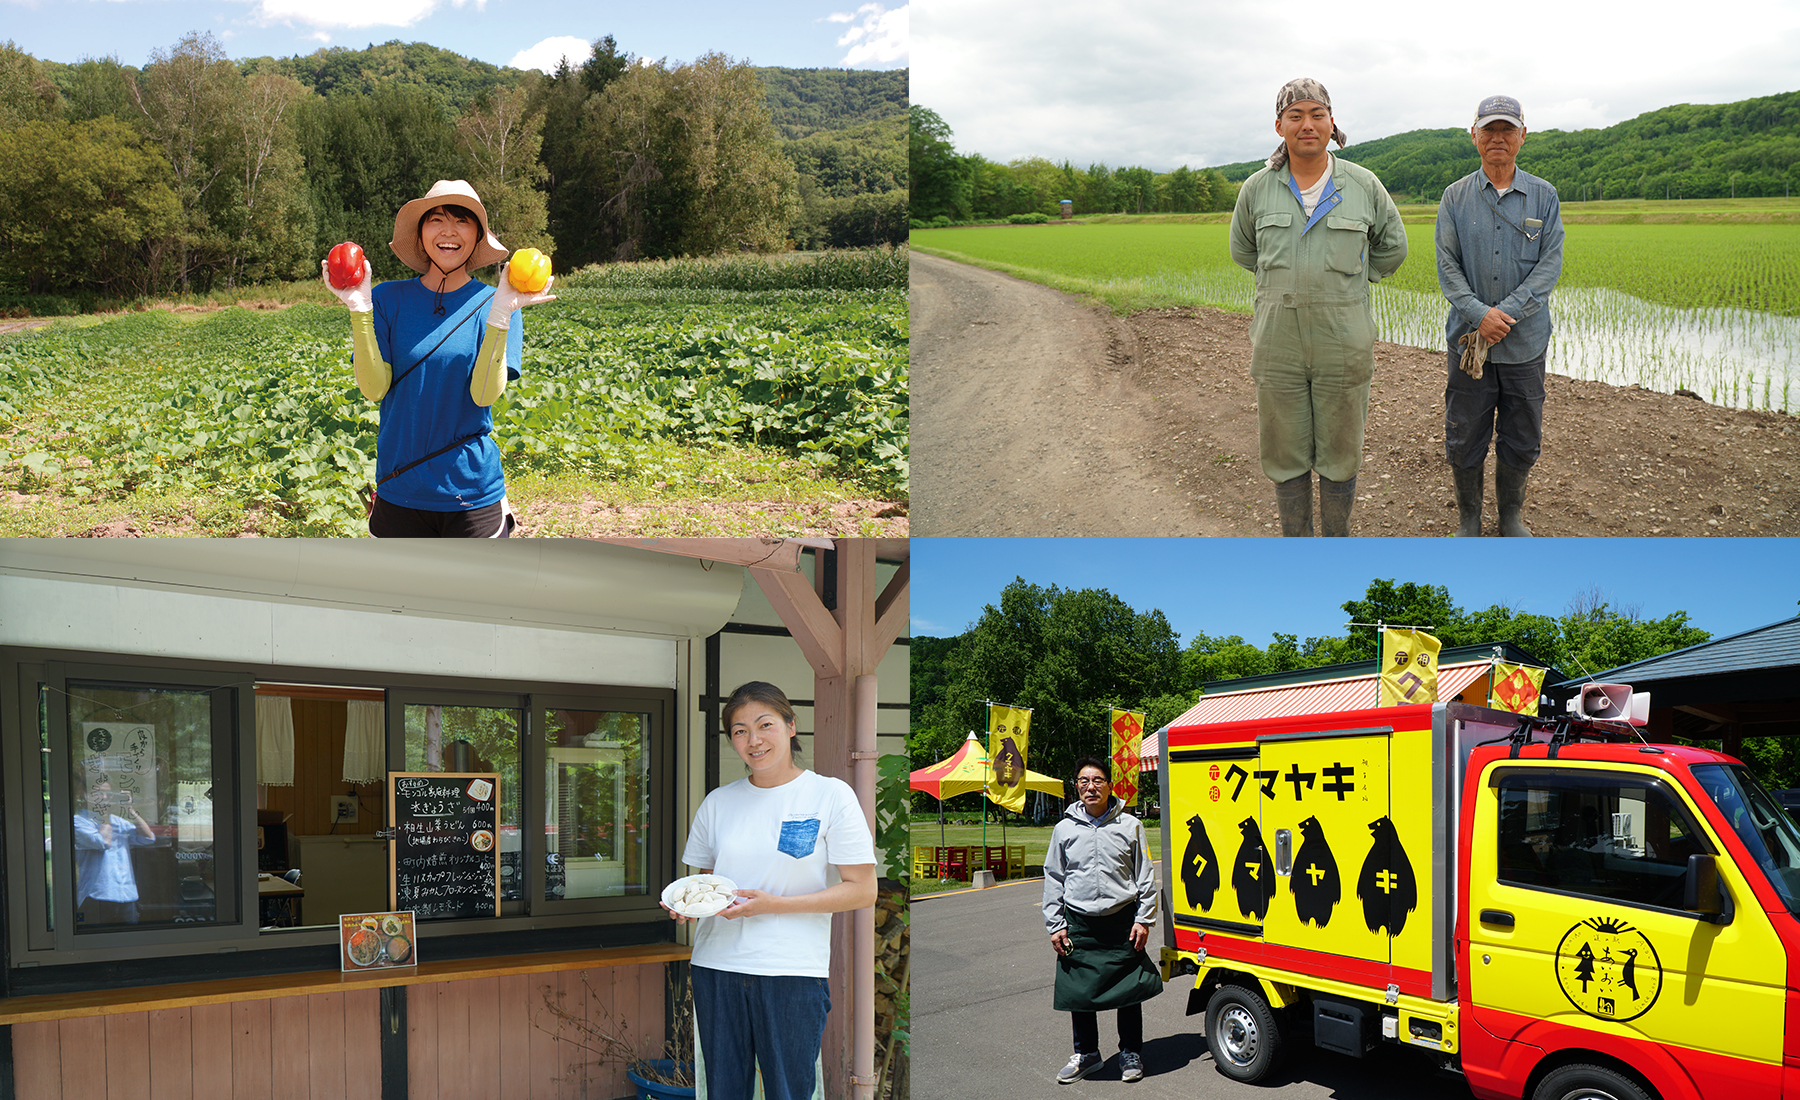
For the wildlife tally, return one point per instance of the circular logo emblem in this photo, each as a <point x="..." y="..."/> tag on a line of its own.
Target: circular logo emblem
<point x="1608" y="969"/>
<point x="99" y="739"/>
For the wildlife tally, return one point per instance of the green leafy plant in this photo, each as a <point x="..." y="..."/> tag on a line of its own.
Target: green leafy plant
<point x="893" y="829"/>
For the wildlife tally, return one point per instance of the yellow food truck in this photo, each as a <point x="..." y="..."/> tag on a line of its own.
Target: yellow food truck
<point x="1550" y="906"/>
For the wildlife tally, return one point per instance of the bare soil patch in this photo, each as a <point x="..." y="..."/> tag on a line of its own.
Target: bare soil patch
<point x="1146" y="425"/>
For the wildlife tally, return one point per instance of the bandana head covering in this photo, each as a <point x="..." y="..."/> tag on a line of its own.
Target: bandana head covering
<point x="1293" y="92"/>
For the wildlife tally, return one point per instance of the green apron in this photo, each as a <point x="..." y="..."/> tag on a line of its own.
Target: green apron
<point x="1101" y="972"/>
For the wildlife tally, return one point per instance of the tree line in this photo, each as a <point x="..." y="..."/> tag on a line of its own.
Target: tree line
<point x="951" y="187"/>
<point x="1746" y="149"/>
<point x="1071" y="654"/>
<point x="197" y="172"/>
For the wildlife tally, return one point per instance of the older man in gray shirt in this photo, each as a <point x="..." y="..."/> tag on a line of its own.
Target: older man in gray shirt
<point x="1499" y="254"/>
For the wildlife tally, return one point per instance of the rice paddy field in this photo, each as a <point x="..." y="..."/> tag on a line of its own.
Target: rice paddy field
<point x="1703" y="299"/>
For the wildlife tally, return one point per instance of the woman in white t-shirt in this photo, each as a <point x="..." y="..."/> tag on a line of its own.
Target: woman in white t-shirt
<point x="760" y="966"/>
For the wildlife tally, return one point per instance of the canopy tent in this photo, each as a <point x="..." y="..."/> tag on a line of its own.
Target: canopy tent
<point x="966" y="771"/>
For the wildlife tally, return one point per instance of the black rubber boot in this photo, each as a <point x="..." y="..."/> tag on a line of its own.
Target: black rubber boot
<point x="1293" y="499"/>
<point x="1509" y="493"/>
<point x="1336" y="498"/>
<point x="1468" y="500"/>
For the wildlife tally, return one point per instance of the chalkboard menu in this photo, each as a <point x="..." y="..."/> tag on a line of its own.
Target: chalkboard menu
<point x="445" y="858"/>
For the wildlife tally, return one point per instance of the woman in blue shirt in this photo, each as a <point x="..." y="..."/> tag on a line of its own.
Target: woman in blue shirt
<point x="421" y="349"/>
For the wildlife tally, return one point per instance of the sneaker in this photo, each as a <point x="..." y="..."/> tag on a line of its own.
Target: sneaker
<point x="1080" y="1065"/>
<point x="1131" y="1067"/>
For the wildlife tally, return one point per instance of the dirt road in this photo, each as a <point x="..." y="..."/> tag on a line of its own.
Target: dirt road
<point x="1033" y="414"/>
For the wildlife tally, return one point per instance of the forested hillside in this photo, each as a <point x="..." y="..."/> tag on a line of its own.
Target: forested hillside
<point x="1745" y="149"/>
<point x="806" y="101"/>
<point x="198" y="171"/>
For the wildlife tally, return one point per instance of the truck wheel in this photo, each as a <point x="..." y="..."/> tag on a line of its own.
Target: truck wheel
<point x="1581" y="1082"/>
<point x="1242" y="1033"/>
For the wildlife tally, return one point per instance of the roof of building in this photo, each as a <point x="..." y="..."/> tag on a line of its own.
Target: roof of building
<point x="1775" y="646"/>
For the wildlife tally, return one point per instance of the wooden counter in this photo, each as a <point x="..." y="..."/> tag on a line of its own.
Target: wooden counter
<point x="108" y="1002"/>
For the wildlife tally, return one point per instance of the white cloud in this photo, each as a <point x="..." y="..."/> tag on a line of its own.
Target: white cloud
<point x="546" y="55"/>
<point x="1152" y="82"/>
<point x="879" y="36"/>
<point x="355" y="13"/>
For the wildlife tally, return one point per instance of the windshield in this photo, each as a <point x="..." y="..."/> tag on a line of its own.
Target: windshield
<point x="1760" y="822"/>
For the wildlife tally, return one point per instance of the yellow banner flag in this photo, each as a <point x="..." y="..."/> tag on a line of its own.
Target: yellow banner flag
<point x="1127" y="740"/>
<point x="1009" y="732"/>
<point x="1409" y="667"/>
<point x="1516" y="688"/>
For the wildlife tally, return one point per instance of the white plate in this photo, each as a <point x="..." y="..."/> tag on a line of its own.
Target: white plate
<point x="704" y="910"/>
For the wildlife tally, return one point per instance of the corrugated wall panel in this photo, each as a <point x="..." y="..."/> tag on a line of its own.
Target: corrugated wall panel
<point x="514" y="1028"/>
<point x="484" y="1037"/>
<point x="325" y="1045"/>
<point x="362" y="1044"/>
<point x="213" y="1055"/>
<point x="37" y="1060"/>
<point x="171" y="1054"/>
<point x="84" y="1057"/>
<point x="252" y="1049"/>
<point x="291" y="1064"/>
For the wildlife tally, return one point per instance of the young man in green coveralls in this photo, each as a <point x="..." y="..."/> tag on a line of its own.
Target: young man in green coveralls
<point x="1315" y="231"/>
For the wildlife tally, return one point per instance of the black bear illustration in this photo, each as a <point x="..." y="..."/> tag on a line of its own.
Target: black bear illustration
<point x="1252" y="873"/>
<point x="1386" y="886"/>
<point x="1199" y="866"/>
<point x="1315" y="881"/>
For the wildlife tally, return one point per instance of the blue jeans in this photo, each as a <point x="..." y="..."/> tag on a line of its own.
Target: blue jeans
<point x="775" y="1021"/>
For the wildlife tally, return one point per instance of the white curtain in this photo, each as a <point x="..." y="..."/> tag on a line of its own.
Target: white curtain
<point x="364" y="729"/>
<point x="274" y="741"/>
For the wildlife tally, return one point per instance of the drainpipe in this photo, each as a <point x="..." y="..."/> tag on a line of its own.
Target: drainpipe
<point x="863" y="773"/>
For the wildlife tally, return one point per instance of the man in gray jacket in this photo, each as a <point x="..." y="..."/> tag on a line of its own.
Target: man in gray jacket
<point x="1499" y="254"/>
<point x="1100" y="899"/>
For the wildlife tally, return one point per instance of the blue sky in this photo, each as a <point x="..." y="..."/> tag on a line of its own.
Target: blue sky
<point x="1257" y="587"/>
<point x="792" y="33"/>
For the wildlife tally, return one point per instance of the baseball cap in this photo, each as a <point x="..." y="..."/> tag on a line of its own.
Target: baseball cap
<point x="1499" y="108"/>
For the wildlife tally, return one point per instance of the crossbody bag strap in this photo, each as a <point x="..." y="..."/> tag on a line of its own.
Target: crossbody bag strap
<point x="445" y="449"/>
<point x="477" y="304"/>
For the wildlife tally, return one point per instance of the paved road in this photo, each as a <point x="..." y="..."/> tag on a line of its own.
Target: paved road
<point x="983" y="1028"/>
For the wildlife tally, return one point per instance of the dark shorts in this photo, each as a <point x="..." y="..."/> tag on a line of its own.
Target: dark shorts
<point x="394" y="521"/>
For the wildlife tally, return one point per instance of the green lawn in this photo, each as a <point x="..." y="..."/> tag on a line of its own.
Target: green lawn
<point x="1036" y="840"/>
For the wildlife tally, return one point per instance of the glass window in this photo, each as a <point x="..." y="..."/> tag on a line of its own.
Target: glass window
<point x="596" y="803"/>
<point x="457" y="738"/>
<point x="1760" y="822"/>
<point x="1621" y="837"/>
<point x="141" y="791"/>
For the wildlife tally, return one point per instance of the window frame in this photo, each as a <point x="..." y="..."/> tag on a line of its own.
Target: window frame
<point x="232" y="708"/>
<point x="659" y="788"/>
<point x="32" y="944"/>
<point x="1694" y="821"/>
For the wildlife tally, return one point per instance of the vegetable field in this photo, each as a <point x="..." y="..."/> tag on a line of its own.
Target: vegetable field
<point x="1706" y="306"/>
<point x="632" y="363"/>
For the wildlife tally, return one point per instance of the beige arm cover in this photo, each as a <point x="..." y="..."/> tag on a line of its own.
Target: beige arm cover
<point x="489" y="380"/>
<point x="372" y="371"/>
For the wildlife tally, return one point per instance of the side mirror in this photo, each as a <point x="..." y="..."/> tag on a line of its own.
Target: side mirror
<point x="1704" y="893"/>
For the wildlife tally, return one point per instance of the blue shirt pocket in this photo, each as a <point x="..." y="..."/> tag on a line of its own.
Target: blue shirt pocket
<point x="799" y="836"/>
